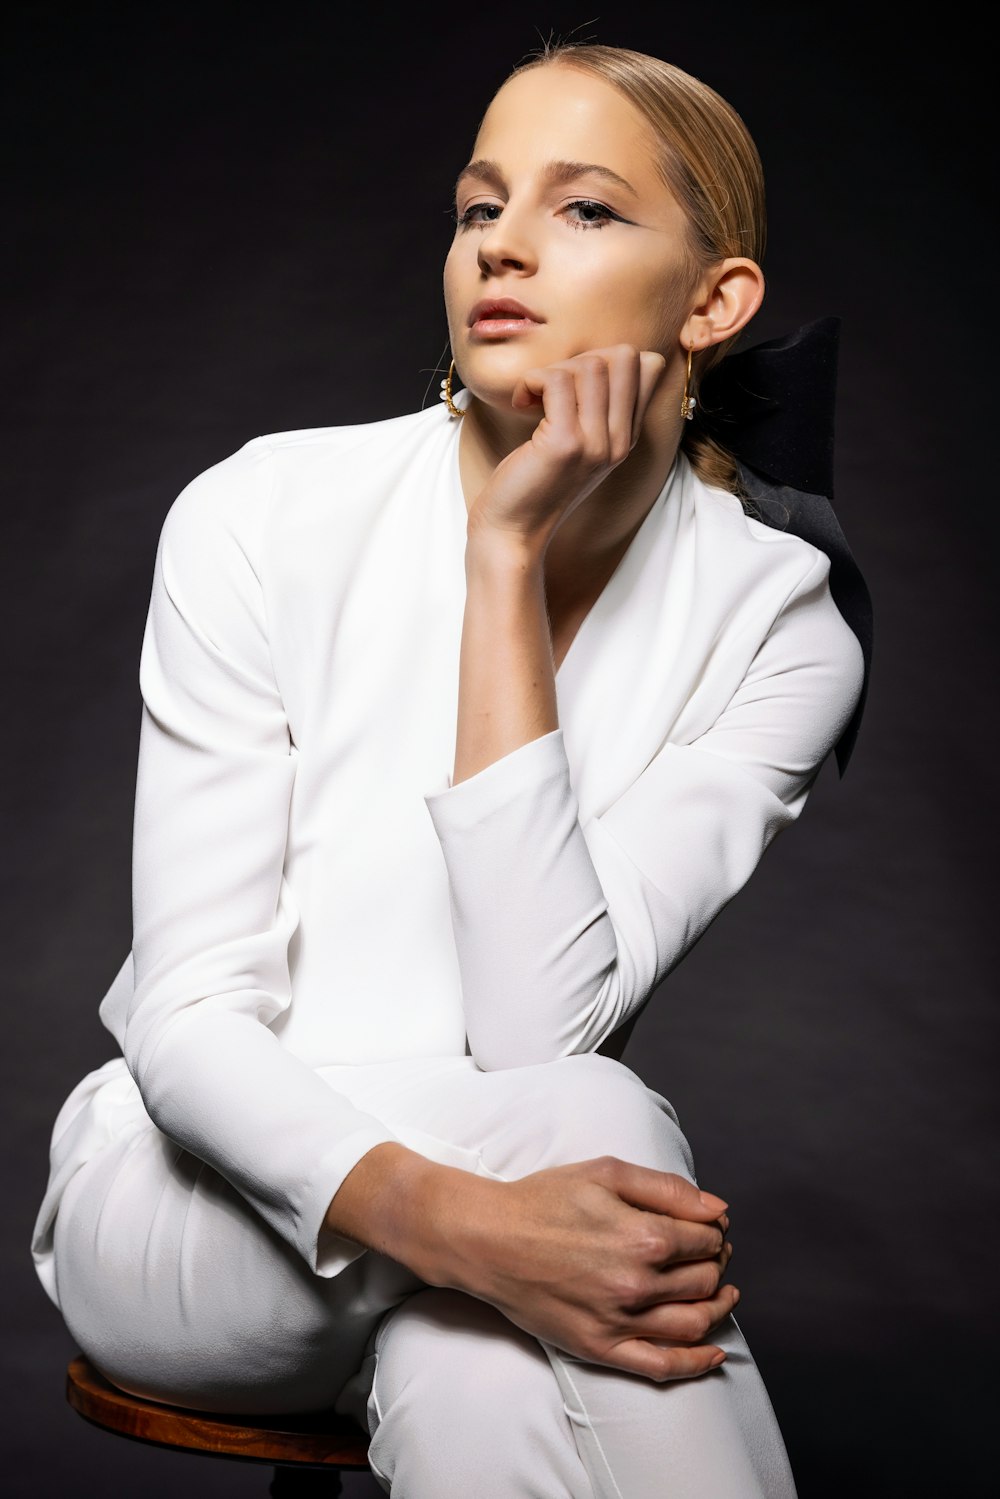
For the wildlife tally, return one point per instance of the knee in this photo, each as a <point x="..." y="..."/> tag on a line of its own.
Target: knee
<point x="590" y="1105"/>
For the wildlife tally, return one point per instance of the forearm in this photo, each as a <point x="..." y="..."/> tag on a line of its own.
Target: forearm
<point x="506" y="692"/>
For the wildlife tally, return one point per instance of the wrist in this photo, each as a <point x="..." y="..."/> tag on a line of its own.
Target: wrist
<point x="370" y="1206"/>
<point x="457" y="1211"/>
<point x="413" y="1210"/>
<point x="503" y="549"/>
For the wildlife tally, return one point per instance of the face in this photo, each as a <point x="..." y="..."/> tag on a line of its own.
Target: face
<point x="562" y="215"/>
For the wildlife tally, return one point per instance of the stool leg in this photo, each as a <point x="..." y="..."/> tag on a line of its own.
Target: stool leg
<point x="301" y="1483"/>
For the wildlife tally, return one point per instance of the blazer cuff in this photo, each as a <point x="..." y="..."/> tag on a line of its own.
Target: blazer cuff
<point x="325" y="1252"/>
<point x="462" y="806"/>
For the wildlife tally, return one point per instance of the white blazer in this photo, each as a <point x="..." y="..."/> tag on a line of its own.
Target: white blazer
<point x="309" y="888"/>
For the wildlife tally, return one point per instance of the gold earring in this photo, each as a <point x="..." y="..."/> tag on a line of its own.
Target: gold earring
<point x="688" y="402"/>
<point x="453" y="410"/>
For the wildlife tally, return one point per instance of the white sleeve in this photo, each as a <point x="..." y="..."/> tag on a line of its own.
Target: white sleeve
<point x="212" y="912"/>
<point x="562" y="930"/>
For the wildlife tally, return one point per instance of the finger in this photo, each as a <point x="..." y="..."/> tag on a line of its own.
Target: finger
<point x="651" y="367"/>
<point x="684" y="1322"/>
<point x="623" y="367"/>
<point x="528" y="390"/>
<point x="661" y="1191"/>
<point x="686" y="1280"/>
<point x="555" y="389"/>
<point x="694" y="1280"/>
<point x="674" y="1241"/>
<point x="661" y="1239"/>
<point x="592" y="380"/>
<point x="639" y="1356"/>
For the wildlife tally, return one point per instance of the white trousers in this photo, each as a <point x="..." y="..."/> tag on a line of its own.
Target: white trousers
<point x="178" y="1291"/>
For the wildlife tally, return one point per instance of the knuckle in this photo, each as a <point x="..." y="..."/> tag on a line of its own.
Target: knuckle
<point x="707" y="1281"/>
<point x="649" y="1243"/>
<point x="703" y="1321"/>
<point x="694" y="1326"/>
<point x="565" y="446"/>
<point x="669" y="1244"/>
<point x="716" y="1250"/>
<point x="629" y="1287"/>
<point x="609" y="1167"/>
<point x="597" y="453"/>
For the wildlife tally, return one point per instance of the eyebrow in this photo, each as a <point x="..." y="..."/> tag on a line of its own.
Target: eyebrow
<point x="555" y="172"/>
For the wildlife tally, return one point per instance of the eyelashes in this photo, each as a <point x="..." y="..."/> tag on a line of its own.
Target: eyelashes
<point x="594" y="215"/>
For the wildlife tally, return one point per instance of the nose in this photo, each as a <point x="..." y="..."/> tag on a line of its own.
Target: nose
<point x="507" y="245"/>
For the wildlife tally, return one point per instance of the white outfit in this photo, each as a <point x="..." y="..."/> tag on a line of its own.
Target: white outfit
<point x="334" y="946"/>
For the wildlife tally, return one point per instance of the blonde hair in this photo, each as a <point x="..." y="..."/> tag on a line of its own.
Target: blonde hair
<point x="710" y="164"/>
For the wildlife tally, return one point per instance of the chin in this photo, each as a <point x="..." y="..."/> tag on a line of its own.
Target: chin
<point x="491" y="379"/>
<point x="497" y="395"/>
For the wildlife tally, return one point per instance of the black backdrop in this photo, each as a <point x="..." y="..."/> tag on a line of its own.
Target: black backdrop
<point x="228" y="220"/>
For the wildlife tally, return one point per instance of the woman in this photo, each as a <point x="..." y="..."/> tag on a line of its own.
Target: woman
<point x="458" y="731"/>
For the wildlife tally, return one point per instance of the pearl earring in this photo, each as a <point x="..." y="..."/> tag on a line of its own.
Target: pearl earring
<point x="453" y="410"/>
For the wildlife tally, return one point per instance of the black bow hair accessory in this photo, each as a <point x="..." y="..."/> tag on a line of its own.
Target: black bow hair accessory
<point x="772" y="407"/>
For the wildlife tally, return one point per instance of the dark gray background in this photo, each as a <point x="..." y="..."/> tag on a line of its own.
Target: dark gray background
<point x="231" y="220"/>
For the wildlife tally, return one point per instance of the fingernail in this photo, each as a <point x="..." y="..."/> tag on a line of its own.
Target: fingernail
<point x="710" y="1200"/>
<point x="720" y="1358"/>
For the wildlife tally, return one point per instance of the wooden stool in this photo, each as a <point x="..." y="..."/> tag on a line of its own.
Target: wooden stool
<point x="308" y="1451"/>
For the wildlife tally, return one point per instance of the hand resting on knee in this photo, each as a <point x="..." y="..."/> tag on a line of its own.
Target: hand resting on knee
<point x="615" y="1263"/>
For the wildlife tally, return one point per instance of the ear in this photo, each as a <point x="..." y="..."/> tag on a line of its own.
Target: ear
<point x="725" y="300"/>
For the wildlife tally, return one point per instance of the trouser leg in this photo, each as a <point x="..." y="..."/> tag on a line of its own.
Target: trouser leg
<point x="465" y="1404"/>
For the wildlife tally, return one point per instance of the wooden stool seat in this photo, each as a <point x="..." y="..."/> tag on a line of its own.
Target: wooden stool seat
<point x="297" y="1445"/>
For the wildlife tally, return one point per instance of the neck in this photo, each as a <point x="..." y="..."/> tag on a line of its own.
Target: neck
<point x="589" y="544"/>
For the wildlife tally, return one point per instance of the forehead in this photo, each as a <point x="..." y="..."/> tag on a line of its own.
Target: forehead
<point x="556" y="112"/>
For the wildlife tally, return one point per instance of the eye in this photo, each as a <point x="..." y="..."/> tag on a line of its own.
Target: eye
<point x="478" y="213"/>
<point x="587" y="213"/>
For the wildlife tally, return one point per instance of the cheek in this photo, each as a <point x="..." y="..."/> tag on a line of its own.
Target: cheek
<point x="665" y="312"/>
<point x="624" y="301"/>
<point x="651" y="297"/>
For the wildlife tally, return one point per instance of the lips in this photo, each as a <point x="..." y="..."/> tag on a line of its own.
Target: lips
<point x="502" y="310"/>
